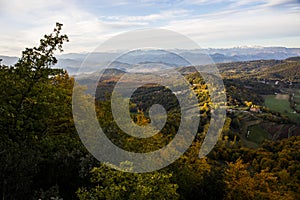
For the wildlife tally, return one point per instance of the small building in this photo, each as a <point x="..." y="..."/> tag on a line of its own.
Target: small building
<point x="248" y="133"/>
<point x="229" y="111"/>
<point x="255" y="109"/>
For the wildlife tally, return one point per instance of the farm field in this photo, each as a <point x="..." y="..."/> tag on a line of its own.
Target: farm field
<point x="258" y="134"/>
<point x="297" y="100"/>
<point x="281" y="104"/>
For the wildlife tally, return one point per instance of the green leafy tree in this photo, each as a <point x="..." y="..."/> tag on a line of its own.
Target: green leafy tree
<point x="35" y="105"/>
<point x="25" y="89"/>
<point x="112" y="184"/>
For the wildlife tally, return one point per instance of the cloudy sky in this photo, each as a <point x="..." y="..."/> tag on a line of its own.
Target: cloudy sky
<point x="211" y="23"/>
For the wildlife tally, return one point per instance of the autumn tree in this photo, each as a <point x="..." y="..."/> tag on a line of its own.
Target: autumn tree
<point x="112" y="184"/>
<point x="241" y="184"/>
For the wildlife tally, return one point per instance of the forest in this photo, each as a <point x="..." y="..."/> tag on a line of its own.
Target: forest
<point x="42" y="156"/>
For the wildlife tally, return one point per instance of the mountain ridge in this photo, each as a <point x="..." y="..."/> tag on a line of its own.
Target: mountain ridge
<point x="175" y="57"/>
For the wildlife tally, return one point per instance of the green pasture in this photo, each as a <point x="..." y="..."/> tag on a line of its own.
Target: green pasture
<point x="281" y="105"/>
<point x="258" y="134"/>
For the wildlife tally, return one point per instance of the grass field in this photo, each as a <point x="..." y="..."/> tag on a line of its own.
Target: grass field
<point x="278" y="104"/>
<point x="257" y="134"/>
<point x="297" y="100"/>
<point x="281" y="105"/>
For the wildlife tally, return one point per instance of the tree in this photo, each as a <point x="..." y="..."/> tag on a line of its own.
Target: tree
<point x="112" y="184"/>
<point x="248" y="103"/>
<point x="242" y="185"/>
<point x="35" y="102"/>
<point x="25" y="89"/>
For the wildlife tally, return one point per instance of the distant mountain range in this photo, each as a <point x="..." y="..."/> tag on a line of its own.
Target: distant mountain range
<point x="161" y="59"/>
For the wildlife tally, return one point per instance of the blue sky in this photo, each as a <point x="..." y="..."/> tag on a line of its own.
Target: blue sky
<point x="211" y="23"/>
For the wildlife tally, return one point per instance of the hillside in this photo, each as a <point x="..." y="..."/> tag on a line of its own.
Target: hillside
<point x="173" y="57"/>
<point x="272" y="70"/>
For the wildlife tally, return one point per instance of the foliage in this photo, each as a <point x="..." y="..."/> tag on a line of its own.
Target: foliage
<point x="42" y="158"/>
<point x="112" y="184"/>
<point x="28" y="90"/>
<point x="38" y="149"/>
<point x="241" y="185"/>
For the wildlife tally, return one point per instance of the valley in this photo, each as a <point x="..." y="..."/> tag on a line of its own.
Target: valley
<point x="150" y="100"/>
<point x="43" y="157"/>
<point x="261" y="106"/>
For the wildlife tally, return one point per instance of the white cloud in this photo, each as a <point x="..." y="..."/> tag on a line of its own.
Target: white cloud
<point x="241" y="2"/>
<point x="239" y="26"/>
<point x="28" y="21"/>
<point x="165" y="15"/>
<point x="25" y="22"/>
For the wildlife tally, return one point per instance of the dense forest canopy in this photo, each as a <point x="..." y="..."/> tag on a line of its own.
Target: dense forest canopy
<point x="42" y="156"/>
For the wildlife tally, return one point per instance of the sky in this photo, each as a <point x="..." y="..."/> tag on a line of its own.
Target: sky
<point x="210" y="23"/>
